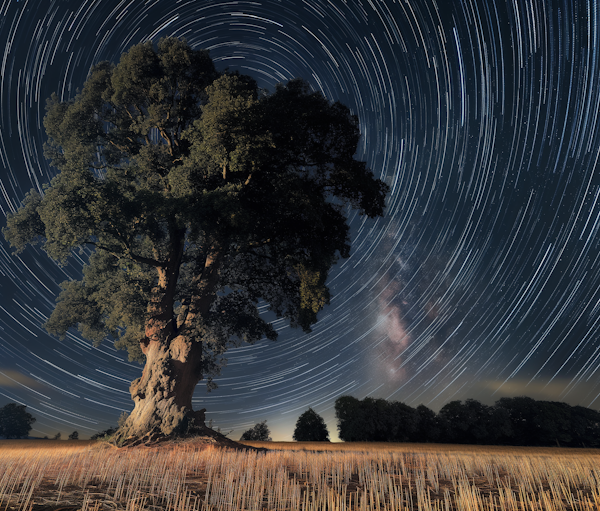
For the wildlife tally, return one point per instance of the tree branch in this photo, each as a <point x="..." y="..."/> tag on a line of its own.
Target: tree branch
<point x="140" y="111"/>
<point x="145" y="260"/>
<point x="122" y="149"/>
<point x="167" y="139"/>
<point x="130" y="115"/>
<point x="127" y="255"/>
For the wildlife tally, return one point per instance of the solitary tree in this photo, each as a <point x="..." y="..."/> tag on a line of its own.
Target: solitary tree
<point x="259" y="432"/>
<point x="74" y="436"/>
<point x="197" y="197"/>
<point x="310" y="427"/>
<point x="15" y="422"/>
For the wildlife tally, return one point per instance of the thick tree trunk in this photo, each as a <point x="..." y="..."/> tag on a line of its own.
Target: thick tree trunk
<point x="163" y="394"/>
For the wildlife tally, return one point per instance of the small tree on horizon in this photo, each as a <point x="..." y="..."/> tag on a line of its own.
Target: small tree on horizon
<point x="15" y="422"/>
<point x="310" y="427"/>
<point x="258" y="433"/>
<point x="74" y="436"/>
<point x="196" y="197"/>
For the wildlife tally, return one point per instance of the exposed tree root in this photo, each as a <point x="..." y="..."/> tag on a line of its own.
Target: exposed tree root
<point x="200" y="437"/>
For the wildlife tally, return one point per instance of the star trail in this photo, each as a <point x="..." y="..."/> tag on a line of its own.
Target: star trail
<point x="481" y="281"/>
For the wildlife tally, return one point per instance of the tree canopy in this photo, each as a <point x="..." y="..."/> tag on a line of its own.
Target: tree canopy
<point x="15" y="422"/>
<point x="197" y="197"/>
<point x="167" y="166"/>
<point x="310" y="427"/>
<point x="510" y="421"/>
<point x="258" y="433"/>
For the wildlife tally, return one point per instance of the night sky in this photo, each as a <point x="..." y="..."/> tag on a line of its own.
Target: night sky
<point x="481" y="281"/>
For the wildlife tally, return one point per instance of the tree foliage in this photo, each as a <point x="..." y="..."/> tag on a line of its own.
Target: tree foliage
<point x="472" y="422"/>
<point x="259" y="433"/>
<point x="15" y="422"/>
<point x="347" y="409"/>
<point x="310" y="427"/>
<point x="374" y="420"/>
<point x="510" y="421"/>
<point x="196" y="197"/>
<point x="428" y="427"/>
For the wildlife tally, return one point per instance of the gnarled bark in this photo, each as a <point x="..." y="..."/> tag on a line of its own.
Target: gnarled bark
<point x="163" y="394"/>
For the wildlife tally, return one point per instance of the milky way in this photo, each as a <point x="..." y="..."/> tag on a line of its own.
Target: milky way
<point x="481" y="281"/>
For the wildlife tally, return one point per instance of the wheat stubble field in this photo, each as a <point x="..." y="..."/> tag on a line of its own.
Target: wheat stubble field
<point x="59" y="475"/>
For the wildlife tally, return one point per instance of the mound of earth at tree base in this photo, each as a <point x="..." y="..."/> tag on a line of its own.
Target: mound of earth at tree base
<point x="201" y="438"/>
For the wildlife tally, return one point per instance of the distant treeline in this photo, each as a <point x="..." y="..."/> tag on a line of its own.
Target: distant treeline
<point x="510" y="421"/>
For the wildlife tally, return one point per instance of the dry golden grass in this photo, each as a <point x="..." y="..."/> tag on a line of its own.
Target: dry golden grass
<point x="50" y="475"/>
<point x="404" y="447"/>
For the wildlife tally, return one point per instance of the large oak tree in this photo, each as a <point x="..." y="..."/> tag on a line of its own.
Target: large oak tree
<point x="199" y="197"/>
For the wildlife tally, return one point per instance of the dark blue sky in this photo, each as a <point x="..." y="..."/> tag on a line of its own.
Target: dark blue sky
<point x="482" y="280"/>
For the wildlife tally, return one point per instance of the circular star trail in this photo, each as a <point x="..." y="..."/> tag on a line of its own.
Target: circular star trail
<point x="481" y="281"/>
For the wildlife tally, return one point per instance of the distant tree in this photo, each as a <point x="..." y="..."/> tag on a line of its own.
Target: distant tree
<point x="585" y="427"/>
<point x="553" y="423"/>
<point x="374" y="420"/>
<point x="511" y="421"/>
<point x="57" y="436"/>
<point x="472" y="422"/>
<point x="74" y="436"/>
<point x="545" y="423"/>
<point x="15" y="422"/>
<point x="347" y="413"/>
<point x="259" y="433"/>
<point x="500" y="429"/>
<point x="481" y="416"/>
<point x="401" y="421"/>
<point x="198" y="197"/>
<point x="468" y="422"/>
<point x="428" y="428"/>
<point x="522" y="412"/>
<point x="310" y="427"/>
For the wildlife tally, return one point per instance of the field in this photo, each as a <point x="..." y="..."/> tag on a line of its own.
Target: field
<point x="79" y="475"/>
